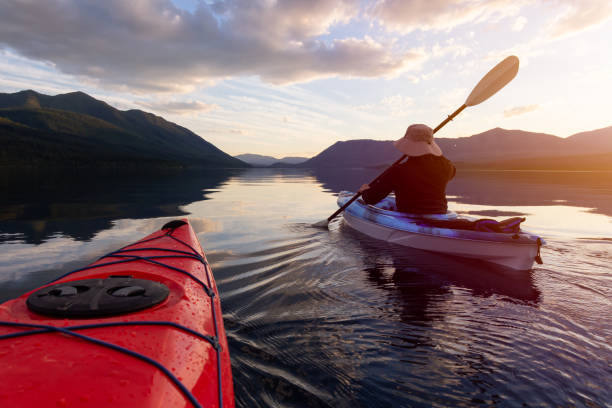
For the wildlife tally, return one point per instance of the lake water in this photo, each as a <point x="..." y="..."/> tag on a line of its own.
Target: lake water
<point x="332" y="318"/>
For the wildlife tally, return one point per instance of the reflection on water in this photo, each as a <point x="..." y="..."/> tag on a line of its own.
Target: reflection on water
<point x="37" y="206"/>
<point x="592" y="190"/>
<point x="337" y="319"/>
<point x="405" y="269"/>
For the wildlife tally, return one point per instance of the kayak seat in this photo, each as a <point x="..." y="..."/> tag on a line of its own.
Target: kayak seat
<point x="507" y="226"/>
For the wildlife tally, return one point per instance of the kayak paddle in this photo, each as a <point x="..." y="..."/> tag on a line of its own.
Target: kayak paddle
<point x="492" y="82"/>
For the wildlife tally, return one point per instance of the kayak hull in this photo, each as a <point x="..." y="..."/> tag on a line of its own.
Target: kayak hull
<point x="513" y="251"/>
<point x="183" y="334"/>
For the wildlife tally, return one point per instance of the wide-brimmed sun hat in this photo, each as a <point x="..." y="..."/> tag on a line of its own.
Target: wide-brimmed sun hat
<point x="418" y="141"/>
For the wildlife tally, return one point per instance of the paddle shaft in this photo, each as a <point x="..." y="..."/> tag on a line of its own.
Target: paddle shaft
<point x="395" y="163"/>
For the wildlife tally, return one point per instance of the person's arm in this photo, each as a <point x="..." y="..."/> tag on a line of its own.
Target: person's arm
<point x="375" y="192"/>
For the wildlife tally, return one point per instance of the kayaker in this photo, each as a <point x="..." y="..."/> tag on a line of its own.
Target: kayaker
<point x="420" y="182"/>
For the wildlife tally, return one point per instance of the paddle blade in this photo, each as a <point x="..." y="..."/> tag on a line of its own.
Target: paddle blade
<point x="495" y="80"/>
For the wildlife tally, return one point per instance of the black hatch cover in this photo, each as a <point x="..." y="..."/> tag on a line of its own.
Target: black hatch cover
<point x="97" y="297"/>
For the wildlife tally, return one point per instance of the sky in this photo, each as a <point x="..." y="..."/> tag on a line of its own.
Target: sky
<point x="291" y="77"/>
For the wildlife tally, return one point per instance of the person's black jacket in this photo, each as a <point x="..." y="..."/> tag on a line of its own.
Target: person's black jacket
<point x="419" y="185"/>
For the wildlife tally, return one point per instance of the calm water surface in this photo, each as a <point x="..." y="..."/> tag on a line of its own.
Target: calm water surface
<point x="336" y="319"/>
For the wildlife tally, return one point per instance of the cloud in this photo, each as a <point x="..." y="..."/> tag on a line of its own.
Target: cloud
<point x="406" y="16"/>
<point x="556" y="29"/>
<point x="153" y="46"/>
<point x="444" y="15"/>
<point x="456" y="50"/>
<point x="580" y="15"/>
<point x="519" y="24"/>
<point x="226" y="131"/>
<point x="520" y="110"/>
<point x="179" y="107"/>
<point x="396" y="105"/>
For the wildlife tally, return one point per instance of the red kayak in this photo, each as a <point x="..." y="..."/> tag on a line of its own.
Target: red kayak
<point x="140" y="327"/>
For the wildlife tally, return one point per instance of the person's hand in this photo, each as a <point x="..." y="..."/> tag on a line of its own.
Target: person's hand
<point x="363" y="188"/>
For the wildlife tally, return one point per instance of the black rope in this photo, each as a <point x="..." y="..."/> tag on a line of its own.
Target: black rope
<point x="121" y="253"/>
<point x="132" y="258"/>
<point x="191" y="254"/>
<point x="112" y="346"/>
<point x="212" y="340"/>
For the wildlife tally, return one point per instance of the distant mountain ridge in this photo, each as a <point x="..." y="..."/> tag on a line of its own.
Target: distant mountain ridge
<point x="75" y="128"/>
<point x="480" y="150"/>
<point x="259" y="160"/>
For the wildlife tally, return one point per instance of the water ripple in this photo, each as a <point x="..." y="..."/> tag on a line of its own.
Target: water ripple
<point x="336" y="319"/>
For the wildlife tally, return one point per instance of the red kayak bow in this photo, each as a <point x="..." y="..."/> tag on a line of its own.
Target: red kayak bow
<point x="140" y="327"/>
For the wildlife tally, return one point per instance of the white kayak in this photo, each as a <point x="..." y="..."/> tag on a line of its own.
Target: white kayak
<point x="517" y="250"/>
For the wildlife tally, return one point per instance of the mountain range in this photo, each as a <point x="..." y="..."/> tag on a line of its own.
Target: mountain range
<point x="495" y="148"/>
<point x="258" y="160"/>
<point x="75" y="129"/>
